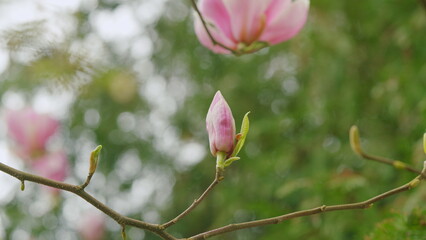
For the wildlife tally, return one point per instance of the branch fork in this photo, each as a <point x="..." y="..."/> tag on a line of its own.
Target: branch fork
<point x="160" y="229"/>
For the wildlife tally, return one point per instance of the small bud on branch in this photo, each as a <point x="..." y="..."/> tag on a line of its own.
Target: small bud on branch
<point x="424" y="143"/>
<point x="94" y="158"/>
<point x="354" y="139"/>
<point x="220" y="126"/>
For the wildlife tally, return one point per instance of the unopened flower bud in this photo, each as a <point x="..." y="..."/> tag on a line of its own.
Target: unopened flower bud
<point x="220" y="126"/>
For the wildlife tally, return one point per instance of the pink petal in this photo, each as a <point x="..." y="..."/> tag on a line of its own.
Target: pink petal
<point x="17" y="127"/>
<point x="218" y="96"/>
<point x="54" y="166"/>
<point x="224" y="126"/>
<point x="285" y="18"/>
<point x="215" y="12"/>
<point x="247" y="18"/>
<point x="30" y="130"/>
<point x="220" y="125"/>
<point x="209" y="122"/>
<point x="218" y="22"/>
<point x="46" y="127"/>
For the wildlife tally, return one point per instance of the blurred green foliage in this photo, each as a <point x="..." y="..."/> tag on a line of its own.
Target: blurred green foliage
<point x="401" y="227"/>
<point x="355" y="62"/>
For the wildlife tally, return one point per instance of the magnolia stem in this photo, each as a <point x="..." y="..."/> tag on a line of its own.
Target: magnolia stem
<point x="84" y="185"/>
<point x="355" y="141"/>
<point x="395" y="163"/>
<point x="120" y="219"/>
<point x="218" y="177"/>
<point x="124" y="221"/>
<point x="194" y="5"/>
<point x="360" y="205"/>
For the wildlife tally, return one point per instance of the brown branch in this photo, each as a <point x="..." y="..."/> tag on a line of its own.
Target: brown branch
<point x="360" y="205"/>
<point x="77" y="190"/>
<point x="423" y="2"/>
<point x="194" y="5"/>
<point x="356" y="147"/>
<point x="88" y="178"/>
<point x="158" y="229"/>
<point x="217" y="179"/>
<point x="395" y="163"/>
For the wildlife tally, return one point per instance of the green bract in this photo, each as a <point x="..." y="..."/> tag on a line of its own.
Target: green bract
<point x="244" y="131"/>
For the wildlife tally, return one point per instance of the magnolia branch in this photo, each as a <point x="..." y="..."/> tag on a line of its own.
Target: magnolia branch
<point x="360" y="205"/>
<point x="217" y="179"/>
<point x="355" y="141"/>
<point x="159" y="229"/>
<point x="78" y="190"/>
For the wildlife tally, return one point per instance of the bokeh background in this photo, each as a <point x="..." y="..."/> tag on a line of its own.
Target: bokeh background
<point x="131" y="76"/>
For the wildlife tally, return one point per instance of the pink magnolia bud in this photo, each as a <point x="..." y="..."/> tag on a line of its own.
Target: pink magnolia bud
<point x="246" y="25"/>
<point x="54" y="166"/>
<point x="30" y="130"/>
<point x="220" y="126"/>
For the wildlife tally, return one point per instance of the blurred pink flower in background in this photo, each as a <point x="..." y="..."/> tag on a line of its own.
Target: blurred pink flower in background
<point x="92" y="226"/>
<point x="249" y="25"/>
<point x="53" y="165"/>
<point x="30" y="131"/>
<point x="220" y="126"/>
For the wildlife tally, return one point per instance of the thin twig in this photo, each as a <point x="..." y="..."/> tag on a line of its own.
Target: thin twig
<point x="394" y="163"/>
<point x="84" y="185"/>
<point x="194" y="5"/>
<point x="354" y="138"/>
<point x="120" y="219"/>
<point x="217" y="179"/>
<point x="160" y="229"/>
<point x="360" y="205"/>
<point x="123" y="232"/>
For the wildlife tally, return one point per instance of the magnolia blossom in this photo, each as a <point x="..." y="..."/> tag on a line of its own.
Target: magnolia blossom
<point x="248" y="25"/>
<point x="220" y="126"/>
<point x="30" y="130"/>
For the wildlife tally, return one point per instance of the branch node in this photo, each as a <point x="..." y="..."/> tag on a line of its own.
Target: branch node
<point x="162" y="227"/>
<point x="220" y="174"/>
<point x="399" y="165"/>
<point x="323" y="208"/>
<point x="413" y="183"/>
